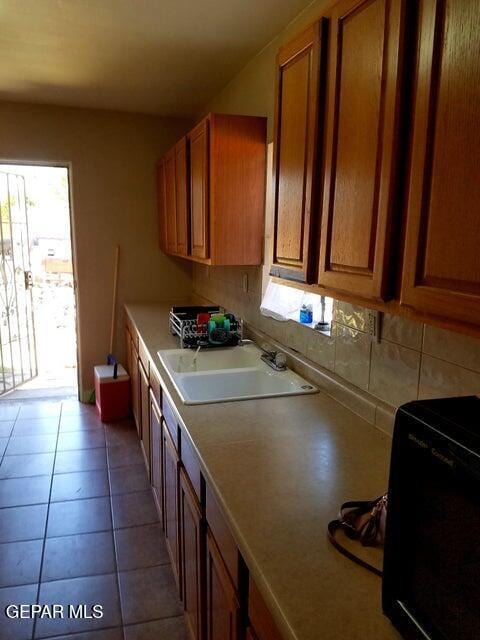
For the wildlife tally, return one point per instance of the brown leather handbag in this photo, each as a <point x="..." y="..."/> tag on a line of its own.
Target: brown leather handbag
<point x="363" y="521"/>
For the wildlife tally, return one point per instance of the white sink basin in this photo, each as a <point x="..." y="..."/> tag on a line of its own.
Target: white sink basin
<point x="221" y="375"/>
<point x="188" y="361"/>
<point x="243" y="384"/>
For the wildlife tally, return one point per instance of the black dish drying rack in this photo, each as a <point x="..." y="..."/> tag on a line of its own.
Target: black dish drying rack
<point x="183" y="323"/>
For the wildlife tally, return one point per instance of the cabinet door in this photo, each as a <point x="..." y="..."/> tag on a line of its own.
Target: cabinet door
<point x="192" y="557"/>
<point x="262" y="624"/>
<point x="365" y="68"/>
<point x="162" y="218"/>
<point x="222" y="606"/>
<point x="128" y="350"/>
<point x="156" y="454"/>
<point x="145" y="414"/>
<point x="135" y="382"/>
<point x="170" y="202"/>
<point x="170" y="501"/>
<point x="250" y="634"/>
<point x="441" y="273"/>
<point x="199" y="190"/>
<point x="181" y="197"/>
<point x="297" y="114"/>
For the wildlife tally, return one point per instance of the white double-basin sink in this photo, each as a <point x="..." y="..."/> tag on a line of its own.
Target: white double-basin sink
<point x="226" y="374"/>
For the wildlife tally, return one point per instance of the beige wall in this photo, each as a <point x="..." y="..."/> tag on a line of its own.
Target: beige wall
<point x="112" y="157"/>
<point x="411" y="361"/>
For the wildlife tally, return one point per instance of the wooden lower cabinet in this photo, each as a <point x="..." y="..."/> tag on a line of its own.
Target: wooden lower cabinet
<point x="250" y="634"/>
<point x="128" y="350"/>
<point x="156" y="476"/>
<point x="208" y="569"/>
<point x="262" y="626"/>
<point x="170" y="503"/>
<point x="222" y="606"/>
<point x="135" y="382"/>
<point x="144" y="414"/>
<point x="192" y="545"/>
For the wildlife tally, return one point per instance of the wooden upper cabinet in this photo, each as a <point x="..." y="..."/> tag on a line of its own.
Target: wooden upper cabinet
<point x="441" y="273"/>
<point x="162" y="214"/>
<point x="298" y="113"/>
<point x="182" y="212"/>
<point x="218" y="172"/>
<point x="199" y="190"/>
<point x="366" y="54"/>
<point x="170" y="202"/>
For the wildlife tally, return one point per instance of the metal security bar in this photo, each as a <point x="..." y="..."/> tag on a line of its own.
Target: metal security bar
<point x="18" y="359"/>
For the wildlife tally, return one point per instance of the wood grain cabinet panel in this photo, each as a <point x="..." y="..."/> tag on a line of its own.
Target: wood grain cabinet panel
<point x="222" y="607"/>
<point x="135" y="388"/>
<point x="298" y="113"/>
<point x="162" y="211"/>
<point x="170" y="502"/>
<point x="263" y="626"/>
<point x="441" y="273"/>
<point x="366" y="55"/>
<point x="182" y="211"/>
<point x="128" y="350"/>
<point x="237" y="188"/>
<point x="133" y="332"/>
<point x="199" y="190"/>
<point x="156" y="456"/>
<point x="192" y="553"/>
<point x="144" y="414"/>
<point x="219" y="193"/>
<point x="223" y="536"/>
<point x="170" y="202"/>
<point x="250" y="634"/>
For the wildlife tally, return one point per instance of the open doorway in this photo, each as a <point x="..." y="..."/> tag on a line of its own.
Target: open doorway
<point x="38" y="340"/>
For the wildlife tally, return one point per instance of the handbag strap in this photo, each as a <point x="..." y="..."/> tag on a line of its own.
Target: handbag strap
<point x="333" y="527"/>
<point x="364" y="505"/>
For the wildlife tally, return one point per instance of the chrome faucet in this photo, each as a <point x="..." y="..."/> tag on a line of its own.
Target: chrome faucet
<point x="275" y="359"/>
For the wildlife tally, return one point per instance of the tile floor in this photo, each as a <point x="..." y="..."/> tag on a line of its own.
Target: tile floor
<point x="78" y="525"/>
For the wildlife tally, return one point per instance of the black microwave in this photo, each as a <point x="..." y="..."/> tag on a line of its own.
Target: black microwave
<point x="431" y="582"/>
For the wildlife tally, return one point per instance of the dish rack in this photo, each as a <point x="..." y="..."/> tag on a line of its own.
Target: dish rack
<point x="183" y="323"/>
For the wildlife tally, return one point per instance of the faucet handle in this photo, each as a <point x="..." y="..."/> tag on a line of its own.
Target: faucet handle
<point x="280" y="360"/>
<point x="267" y="348"/>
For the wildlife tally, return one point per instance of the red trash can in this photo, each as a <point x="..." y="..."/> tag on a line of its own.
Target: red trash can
<point x="112" y="395"/>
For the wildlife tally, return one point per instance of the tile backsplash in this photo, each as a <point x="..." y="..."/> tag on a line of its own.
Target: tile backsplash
<point x="411" y="361"/>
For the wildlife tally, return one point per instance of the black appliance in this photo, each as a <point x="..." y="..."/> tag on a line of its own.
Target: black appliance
<point x="431" y="585"/>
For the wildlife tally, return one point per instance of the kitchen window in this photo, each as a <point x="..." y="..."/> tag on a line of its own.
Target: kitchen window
<point x="283" y="303"/>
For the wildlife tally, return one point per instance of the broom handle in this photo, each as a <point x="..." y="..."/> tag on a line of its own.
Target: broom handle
<point x="114" y="301"/>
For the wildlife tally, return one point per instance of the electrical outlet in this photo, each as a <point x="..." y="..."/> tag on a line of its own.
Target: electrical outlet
<point x="245" y="283"/>
<point x="373" y="325"/>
